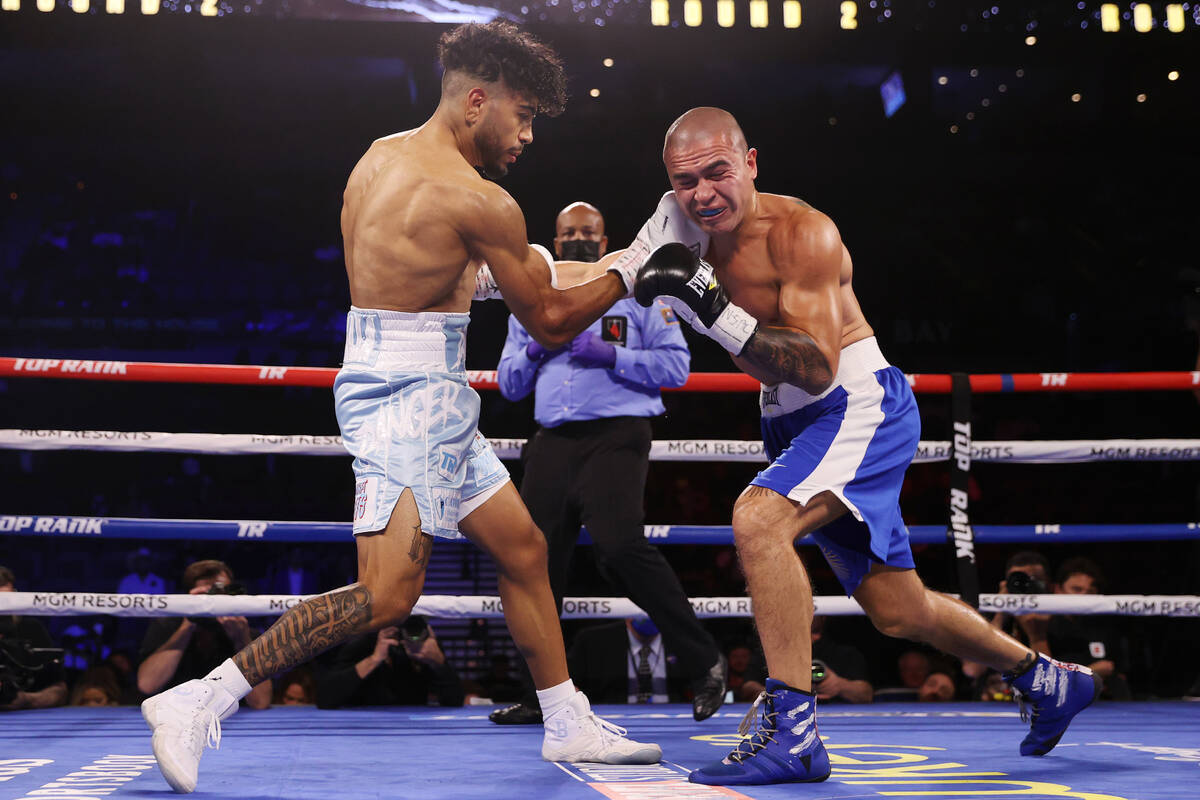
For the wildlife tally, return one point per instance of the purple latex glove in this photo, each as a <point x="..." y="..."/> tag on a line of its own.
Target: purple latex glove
<point x="590" y="350"/>
<point x="535" y="352"/>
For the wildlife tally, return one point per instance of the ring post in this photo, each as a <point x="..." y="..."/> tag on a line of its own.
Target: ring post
<point x="959" y="534"/>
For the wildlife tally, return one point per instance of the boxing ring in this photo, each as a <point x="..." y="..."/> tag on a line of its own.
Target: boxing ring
<point x="1126" y="751"/>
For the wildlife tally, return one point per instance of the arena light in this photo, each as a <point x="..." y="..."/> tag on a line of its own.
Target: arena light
<point x="1110" y="18"/>
<point x="791" y="13"/>
<point x="1173" y="75"/>
<point x="1141" y="98"/>
<point x="150" y="6"/>
<point x="114" y="6"/>
<point x="80" y="6"/>
<point x="759" y="16"/>
<point x="608" y="62"/>
<point x="693" y="13"/>
<point x="943" y="80"/>
<point x="1031" y="40"/>
<point x="594" y="93"/>
<point x="1143" y="18"/>
<point x="1075" y="98"/>
<point x="660" y="13"/>
<point x="1175" y="19"/>
<point x="849" y="15"/>
<point x="45" y="5"/>
<point x="208" y="8"/>
<point x="725" y="13"/>
<point x="10" y="5"/>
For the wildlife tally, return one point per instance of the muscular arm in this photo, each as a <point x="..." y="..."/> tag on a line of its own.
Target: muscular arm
<point x="495" y="232"/>
<point x="803" y="345"/>
<point x="158" y="667"/>
<point x="786" y="355"/>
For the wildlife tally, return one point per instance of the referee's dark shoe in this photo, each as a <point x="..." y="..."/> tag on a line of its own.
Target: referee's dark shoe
<point x="516" y="714"/>
<point x="709" y="689"/>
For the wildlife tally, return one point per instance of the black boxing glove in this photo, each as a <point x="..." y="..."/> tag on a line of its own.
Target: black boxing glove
<point x="688" y="284"/>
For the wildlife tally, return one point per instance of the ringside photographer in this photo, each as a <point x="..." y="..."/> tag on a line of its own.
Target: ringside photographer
<point x="175" y="649"/>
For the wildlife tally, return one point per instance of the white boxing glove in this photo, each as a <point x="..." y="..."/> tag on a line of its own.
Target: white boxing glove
<point x="485" y="283"/>
<point x="668" y="224"/>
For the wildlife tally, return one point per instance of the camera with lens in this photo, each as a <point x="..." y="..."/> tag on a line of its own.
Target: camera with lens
<point x="415" y="629"/>
<point x="218" y="587"/>
<point x="24" y="668"/>
<point x="1019" y="582"/>
<point x="818" y="671"/>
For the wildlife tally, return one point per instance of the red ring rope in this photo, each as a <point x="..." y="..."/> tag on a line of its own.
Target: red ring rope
<point x="153" y="372"/>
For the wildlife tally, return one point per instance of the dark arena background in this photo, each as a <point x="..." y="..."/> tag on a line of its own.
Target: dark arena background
<point x="1017" y="184"/>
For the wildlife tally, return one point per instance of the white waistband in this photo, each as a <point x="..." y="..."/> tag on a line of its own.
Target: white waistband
<point x="420" y="340"/>
<point x="856" y="361"/>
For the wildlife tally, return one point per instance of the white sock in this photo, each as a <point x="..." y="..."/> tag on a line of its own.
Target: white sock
<point x="230" y="678"/>
<point x="555" y="698"/>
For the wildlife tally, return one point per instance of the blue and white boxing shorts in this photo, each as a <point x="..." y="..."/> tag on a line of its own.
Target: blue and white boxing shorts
<point x="854" y="440"/>
<point x="409" y="417"/>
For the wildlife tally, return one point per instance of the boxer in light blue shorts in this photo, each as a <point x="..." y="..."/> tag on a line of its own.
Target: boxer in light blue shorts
<point x="409" y="417"/>
<point x="854" y="440"/>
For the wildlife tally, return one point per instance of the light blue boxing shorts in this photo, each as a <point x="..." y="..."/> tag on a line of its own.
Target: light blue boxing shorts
<point x="854" y="440"/>
<point x="409" y="417"/>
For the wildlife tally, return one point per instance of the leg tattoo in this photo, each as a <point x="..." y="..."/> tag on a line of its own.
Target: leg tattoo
<point x="304" y="631"/>
<point x="422" y="544"/>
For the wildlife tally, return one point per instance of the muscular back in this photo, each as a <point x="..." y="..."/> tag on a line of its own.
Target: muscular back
<point x="402" y="220"/>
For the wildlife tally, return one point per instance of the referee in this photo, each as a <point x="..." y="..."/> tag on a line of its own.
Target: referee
<point x="587" y="462"/>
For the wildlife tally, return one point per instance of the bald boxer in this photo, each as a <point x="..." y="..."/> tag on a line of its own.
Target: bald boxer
<point x="768" y="278"/>
<point x="418" y="219"/>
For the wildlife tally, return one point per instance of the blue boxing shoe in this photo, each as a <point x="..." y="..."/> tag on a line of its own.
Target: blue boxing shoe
<point x="783" y="748"/>
<point x="1050" y="694"/>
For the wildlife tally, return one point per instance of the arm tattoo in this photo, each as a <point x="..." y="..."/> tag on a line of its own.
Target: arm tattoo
<point x="422" y="544"/>
<point x="305" y="630"/>
<point x="790" y="355"/>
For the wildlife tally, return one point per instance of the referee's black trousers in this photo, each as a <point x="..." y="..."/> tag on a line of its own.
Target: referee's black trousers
<point x="593" y="473"/>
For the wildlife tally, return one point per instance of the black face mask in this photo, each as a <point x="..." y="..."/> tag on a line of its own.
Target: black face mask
<point x="580" y="250"/>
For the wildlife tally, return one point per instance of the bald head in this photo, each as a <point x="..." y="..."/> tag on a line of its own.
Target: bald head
<point x="579" y="233"/>
<point x="702" y="125"/>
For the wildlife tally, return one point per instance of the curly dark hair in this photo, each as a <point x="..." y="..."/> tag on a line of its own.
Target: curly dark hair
<point x="500" y="50"/>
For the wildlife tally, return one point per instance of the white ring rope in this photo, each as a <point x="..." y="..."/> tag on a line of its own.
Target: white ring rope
<point x="1070" y="451"/>
<point x="444" y="606"/>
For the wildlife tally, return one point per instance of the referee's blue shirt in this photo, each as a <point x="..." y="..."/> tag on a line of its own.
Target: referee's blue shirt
<point x="651" y="353"/>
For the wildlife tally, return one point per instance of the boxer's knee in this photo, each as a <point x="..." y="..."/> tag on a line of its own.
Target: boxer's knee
<point x="525" y="554"/>
<point x="762" y="521"/>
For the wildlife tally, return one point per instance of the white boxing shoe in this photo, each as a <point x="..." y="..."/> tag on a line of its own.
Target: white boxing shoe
<point x="574" y="733"/>
<point x="185" y="720"/>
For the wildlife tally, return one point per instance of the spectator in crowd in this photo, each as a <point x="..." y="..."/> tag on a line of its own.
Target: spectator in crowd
<point x="938" y="687"/>
<point x="397" y="666"/>
<point x="1026" y="572"/>
<point x="626" y="662"/>
<point x="96" y="687"/>
<point x="747" y="673"/>
<point x="178" y="649"/>
<point x="1087" y="638"/>
<point x="914" y="667"/>
<point x="140" y="579"/>
<point x="121" y="665"/>
<point x="839" y="670"/>
<point x="588" y="461"/>
<point x="297" y="688"/>
<point x="32" y="677"/>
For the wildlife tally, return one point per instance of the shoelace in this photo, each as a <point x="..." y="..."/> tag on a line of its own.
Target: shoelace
<point x="764" y="729"/>
<point x="608" y="731"/>
<point x="1026" y="707"/>
<point x="212" y="737"/>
